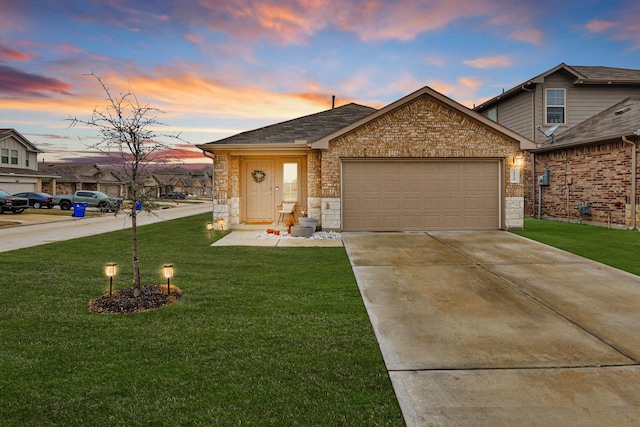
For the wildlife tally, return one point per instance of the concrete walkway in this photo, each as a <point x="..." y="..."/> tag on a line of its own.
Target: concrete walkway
<point x="249" y="236"/>
<point x="492" y="329"/>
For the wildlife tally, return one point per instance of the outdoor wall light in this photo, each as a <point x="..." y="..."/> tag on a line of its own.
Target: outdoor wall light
<point x="220" y="222"/>
<point x="210" y="228"/>
<point x="168" y="274"/>
<point x="518" y="160"/>
<point x="110" y="271"/>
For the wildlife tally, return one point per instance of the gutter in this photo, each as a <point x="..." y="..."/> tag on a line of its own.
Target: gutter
<point x="633" y="180"/>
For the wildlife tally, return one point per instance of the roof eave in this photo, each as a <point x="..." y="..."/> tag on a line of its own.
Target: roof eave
<point x="213" y="148"/>
<point x="607" y="82"/>
<point x="590" y="141"/>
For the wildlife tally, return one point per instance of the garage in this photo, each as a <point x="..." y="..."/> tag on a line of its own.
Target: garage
<point x="415" y="195"/>
<point x="18" y="187"/>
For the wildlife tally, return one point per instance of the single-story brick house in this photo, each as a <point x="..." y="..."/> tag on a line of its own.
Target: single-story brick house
<point x="81" y="176"/>
<point x="424" y="162"/>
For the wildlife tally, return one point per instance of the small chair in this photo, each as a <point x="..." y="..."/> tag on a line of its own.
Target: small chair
<point x="287" y="208"/>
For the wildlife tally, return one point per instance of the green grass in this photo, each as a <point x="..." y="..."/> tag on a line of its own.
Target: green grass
<point x="262" y="336"/>
<point x="617" y="248"/>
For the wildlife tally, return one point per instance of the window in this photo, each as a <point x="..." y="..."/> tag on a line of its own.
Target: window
<point x="5" y="156"/>
<point x="14" y="157"/>
<point x="555" y="101"/>
<point x="290" y="182"/>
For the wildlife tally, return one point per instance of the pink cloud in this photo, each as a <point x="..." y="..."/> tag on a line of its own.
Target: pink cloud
<point x="625" y="28"/>
<point x="489" y="62"/>
<point x="463" y="91"/>
<point x="294" y="21"/>
<point x="597" y="26"/>
<point x="197" y="40"/>
<point x="531" y="35"/>
<point x="8" y="53"/>
<point x="16" y="82"/>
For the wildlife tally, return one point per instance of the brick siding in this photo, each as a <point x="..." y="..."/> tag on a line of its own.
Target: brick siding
<point x="422" y="128"/>
<point x="600" y="175"/>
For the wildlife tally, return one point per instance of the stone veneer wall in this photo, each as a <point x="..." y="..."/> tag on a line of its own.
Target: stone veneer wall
<point x="422" y="128"/>
<point x="600" y="175"/>
<point x="314" y="186"/>
<point x="226" y="199"/>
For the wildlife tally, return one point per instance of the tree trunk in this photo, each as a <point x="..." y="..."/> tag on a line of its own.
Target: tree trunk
<point x="134" y="252"/>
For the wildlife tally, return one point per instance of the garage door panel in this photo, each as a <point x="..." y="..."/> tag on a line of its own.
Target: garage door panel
<point x="420" y="195"/>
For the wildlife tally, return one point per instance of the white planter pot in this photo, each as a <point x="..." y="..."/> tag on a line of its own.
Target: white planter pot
<point x="308" y="222"/>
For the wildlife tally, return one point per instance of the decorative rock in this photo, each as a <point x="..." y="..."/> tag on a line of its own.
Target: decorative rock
<point x="298" y="231"/>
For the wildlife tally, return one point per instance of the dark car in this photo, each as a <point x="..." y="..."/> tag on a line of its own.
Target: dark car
<point x="176" y="195"/>
<point x="37" y="200"/>
<point x="12" y="203"/>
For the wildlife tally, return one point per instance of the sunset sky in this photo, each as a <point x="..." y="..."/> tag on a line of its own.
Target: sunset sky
<point x="219" y="67"/>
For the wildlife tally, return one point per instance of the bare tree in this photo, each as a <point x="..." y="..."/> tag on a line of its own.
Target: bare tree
<point x="129" y="137"/>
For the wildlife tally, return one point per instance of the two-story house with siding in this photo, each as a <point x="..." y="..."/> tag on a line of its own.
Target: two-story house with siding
<point x="19" y="163"/>
<point x="585" y="121"/>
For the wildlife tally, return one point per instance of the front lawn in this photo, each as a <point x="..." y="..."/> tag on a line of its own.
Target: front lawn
<point x="261" y="336"/>
<point x="617" y="248"/>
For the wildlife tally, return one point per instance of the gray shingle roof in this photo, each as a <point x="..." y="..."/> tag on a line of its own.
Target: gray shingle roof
<point x="24" y="171"/>
<point x="309" y="128"/>
<point x="582" y="74"/>
<point x="608" y="74"/>
<point x="612" y="123"/>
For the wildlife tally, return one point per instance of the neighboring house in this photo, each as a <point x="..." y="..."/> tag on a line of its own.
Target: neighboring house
<point x="19" y="164"/>
<point x="81" y="176"/>
<point x="423" y="162"/>
<point x="169" y="181"/>
<point x="582" y="150"/>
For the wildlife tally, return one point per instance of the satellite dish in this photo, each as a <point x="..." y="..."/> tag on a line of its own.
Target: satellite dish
<point x="549" y="132"/>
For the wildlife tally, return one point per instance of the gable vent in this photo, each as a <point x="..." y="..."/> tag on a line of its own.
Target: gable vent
<point x="622" y="111"/>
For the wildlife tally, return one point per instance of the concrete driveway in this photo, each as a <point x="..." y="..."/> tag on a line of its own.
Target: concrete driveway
<point x="492" y="329"/>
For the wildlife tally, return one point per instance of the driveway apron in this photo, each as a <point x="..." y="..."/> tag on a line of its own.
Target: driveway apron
<point x="489" y="328"/>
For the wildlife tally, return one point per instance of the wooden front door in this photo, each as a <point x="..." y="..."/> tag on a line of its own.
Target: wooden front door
<point x="260" y="203"/>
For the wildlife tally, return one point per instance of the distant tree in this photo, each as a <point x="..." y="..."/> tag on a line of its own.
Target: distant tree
<point x="129" y="137"/>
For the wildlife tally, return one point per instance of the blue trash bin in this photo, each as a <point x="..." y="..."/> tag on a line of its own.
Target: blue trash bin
<point x="78" y="210"/>
<point x="139" y="206"/>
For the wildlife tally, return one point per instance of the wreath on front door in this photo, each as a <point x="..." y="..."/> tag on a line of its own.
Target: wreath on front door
<point x="258" y="175"/>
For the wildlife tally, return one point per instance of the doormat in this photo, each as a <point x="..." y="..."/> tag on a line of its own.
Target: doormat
<point x="258" y="222"/>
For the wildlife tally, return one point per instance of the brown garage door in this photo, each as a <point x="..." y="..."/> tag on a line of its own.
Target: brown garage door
<point x="405" y="195"/>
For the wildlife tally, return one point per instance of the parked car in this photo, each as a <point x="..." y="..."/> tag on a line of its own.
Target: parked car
<point x="94" y="199"/>
<point x="176" y="195"/>
<point x="37" y="200"/>
<point x="12" y="203"/>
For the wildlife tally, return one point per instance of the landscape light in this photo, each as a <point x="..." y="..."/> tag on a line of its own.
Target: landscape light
<point x="110" y="271"/>
<point x="210" y="228"/>
<point x="168" y="274"/>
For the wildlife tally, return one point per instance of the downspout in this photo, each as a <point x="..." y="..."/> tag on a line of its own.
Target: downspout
<point x="633" y="180"/>
<point x="213" y="186"/>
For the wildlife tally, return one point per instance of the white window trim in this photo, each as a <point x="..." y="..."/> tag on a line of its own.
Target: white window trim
<point x="563" y="106"/>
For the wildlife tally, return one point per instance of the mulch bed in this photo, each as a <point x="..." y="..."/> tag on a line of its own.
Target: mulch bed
<point x="123" y="301"/>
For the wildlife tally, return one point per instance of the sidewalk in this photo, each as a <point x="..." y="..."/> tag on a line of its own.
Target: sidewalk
<point x="55" y="230"/>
